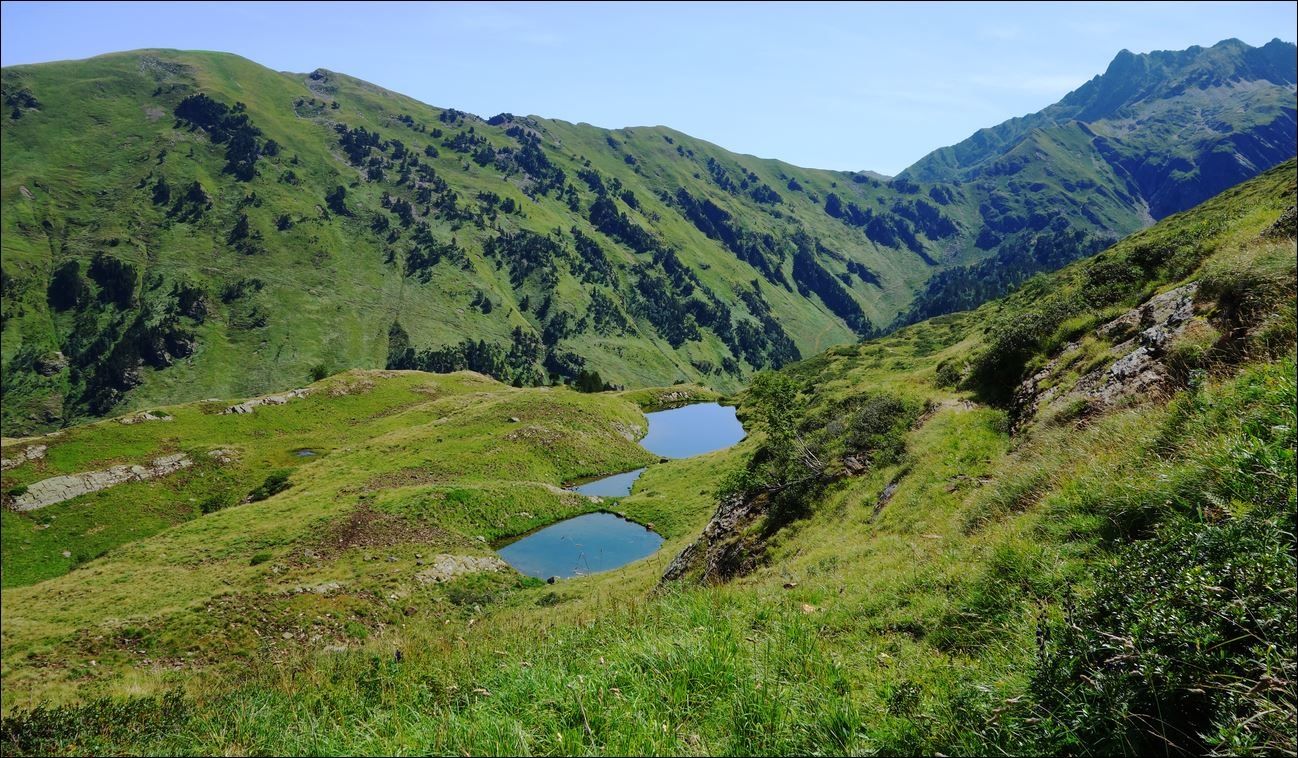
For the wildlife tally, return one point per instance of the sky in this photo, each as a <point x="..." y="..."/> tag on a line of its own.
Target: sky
<point x="837" y="85"/>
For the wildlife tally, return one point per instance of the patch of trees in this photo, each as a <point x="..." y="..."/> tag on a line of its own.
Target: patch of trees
<point x="928" y="219"/>
<point x="721" y="177"/>
<point x="761" y="251"/>
<point x="243" y="237"/>
<point x="516" y="364"/>
<point x="605" y="216"/>
<point x="117" y="333"/>
<point x="527" y="254"/>
<point x="337" y="201"/>
<point x="660" y="301"/>
<point x="765" y="345"/>
<point x="409" y="121"/>
<point x="593" y="265"/>
<point x="865" y="274"/>
<point x="533" y="161"/>
<point x="593" y="180"/>
<point x="885" y="229"/>
<point x="806" y="439"/>
<point x="451" y="116"/>
<point x="192" y="203"/>
<point x="399" y="207"/>
<point x="1017" y="260"/>
<point x="941" y="194"/>
<point x="605" y="314"/>
<point x="67" y="289"/>
<point x="426" y="252"/>
<point x="116" y="279"/>
<point x="19" y="99"/>
<point x="226" y="125"/>
<point x="810" y="276"/>
<point x="465" y="142"/>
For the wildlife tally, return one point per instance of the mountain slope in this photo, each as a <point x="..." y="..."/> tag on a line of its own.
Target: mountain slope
<point x="185" y="225"/>
<point x="1164" y="130"/>
<point x="913" y="577"/>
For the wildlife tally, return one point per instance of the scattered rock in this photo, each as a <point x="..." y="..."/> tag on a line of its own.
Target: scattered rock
<point x="51" y="363"/>
<point x="442" y="568"/>
<point x="513" y="419"/>
<point x="1142" y="335"/>
<point x="224" y="455"/>
<point x="280" y="399"/>
<point x="790" y="585"/>
<point x="29" y="453"/>
<point x="143" y="416"/>
<point x="67" y="553"/>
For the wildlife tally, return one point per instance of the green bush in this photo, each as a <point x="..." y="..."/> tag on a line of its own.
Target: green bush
<point x="259" y="558"/>
<point x="275" y="483"/>
<point x="215" y="502"/>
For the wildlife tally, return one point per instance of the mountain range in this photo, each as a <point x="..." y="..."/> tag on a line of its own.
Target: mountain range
<point x="180" y="225"/>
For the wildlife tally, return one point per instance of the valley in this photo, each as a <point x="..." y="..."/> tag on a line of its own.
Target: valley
<point x="871" y="568"/>
<point x="184" y="225"/>
<point x="339" y="423"/>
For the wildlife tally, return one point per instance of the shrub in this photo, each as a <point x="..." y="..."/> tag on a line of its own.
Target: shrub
<point x="259" y="558"/>
<point x="275" y="483"/>
<point x="216" y="502"/>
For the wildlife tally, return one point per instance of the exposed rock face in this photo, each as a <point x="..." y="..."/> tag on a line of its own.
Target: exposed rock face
<point x="445" y="567"/>
<point x="725" y="549"/>
<point x="57" y="489"/>
<point x="51" y="364"/>
<point x="247" y="405"/>
<point x="1140" y="369"/>
<point x="29" y="453"/>
<point x="142" y="416"/>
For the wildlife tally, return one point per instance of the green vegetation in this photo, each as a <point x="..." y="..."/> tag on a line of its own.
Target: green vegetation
<point x="1115" y="576"/>
<point x="185" y="225"/>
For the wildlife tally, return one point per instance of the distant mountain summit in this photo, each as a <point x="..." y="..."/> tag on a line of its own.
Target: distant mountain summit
<point x="1179" y="125"/>
<point x="181" y="225"/>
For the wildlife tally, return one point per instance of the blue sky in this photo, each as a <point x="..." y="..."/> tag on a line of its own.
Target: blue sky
<point x="844" y="86"/>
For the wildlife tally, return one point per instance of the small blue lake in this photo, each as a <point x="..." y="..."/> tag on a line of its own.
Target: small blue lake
<point x="603" y="541"/>
<point x="692" y="430"/>
<point x="617" y="485"/>
<point x="582" y="545"/>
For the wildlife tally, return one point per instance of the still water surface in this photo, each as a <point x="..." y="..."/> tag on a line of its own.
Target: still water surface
<point x="582" y="545"/>
<point x="602" y="541"/>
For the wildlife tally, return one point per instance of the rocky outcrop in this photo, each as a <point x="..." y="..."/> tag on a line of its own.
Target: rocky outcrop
<point x="443" y="568"/>
<point x="29" y="453"/>
<point x="1142" y="336"/>
<point x="248" y="405"/>
<point x="143" y="416"/>
<point x="60" y="488"/>
<point x="726" y="548"/>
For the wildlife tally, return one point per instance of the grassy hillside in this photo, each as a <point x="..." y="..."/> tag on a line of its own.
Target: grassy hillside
<point x="182" y="225"/>
<point x="1114" y="576"/>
